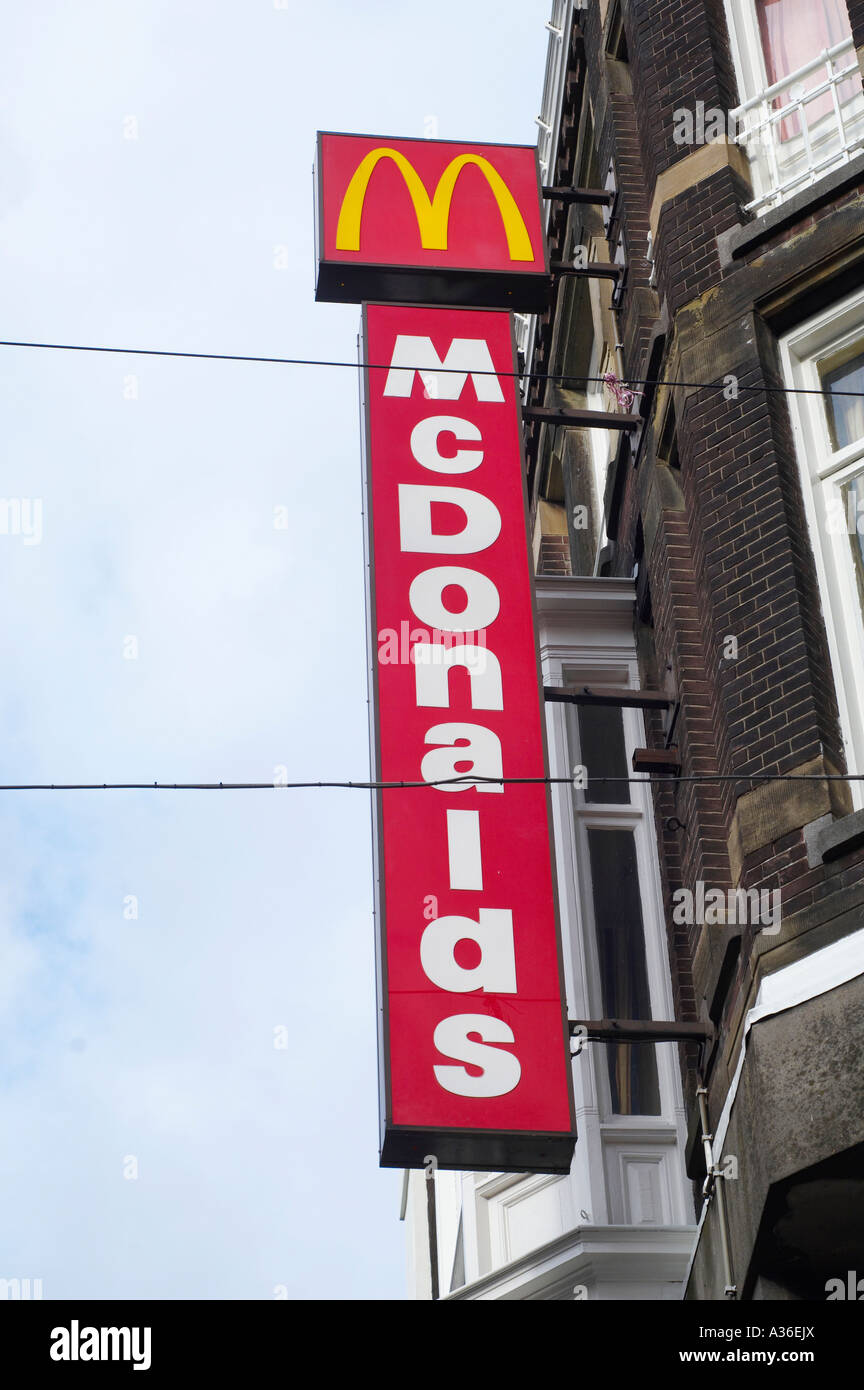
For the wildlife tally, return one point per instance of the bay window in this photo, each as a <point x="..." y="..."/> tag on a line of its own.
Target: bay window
<point x="802" y="107"/>
<point x="628" y="1096"/>
<point x="825" y="356"/>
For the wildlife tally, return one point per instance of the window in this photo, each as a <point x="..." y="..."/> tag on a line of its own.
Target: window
<point x="616" y="39"/>
<point x="667" y="448"/>
<point x="802" y="107"/>
<point x="601" y="742"/>
<point x="609" y="832"/>
<point x="573" y="464"/>
<point x="620" y="935"/>
<point x="845" y="414"/>
<point x="827" y="354"/>
<point x="629" y="1163"/>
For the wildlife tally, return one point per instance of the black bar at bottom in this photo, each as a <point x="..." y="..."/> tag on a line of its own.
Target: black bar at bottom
<point x="642" y="1030"/>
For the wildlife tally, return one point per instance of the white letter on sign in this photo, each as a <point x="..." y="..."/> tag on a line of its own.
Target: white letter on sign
<point x="463" y="850"/>
<point x="501" y="1070"/>
<point x="424" y="444"/>
<point x="464" y="356"/>
<point x="482" y="607"/>
<point x="482" y="520"/>
<point x="496" y="971"/>
<point x="432" y="667"/>
<point x="483" y="751"/>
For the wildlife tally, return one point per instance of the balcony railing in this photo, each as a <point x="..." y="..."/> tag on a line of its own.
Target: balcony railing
<point x="803" y="126"/>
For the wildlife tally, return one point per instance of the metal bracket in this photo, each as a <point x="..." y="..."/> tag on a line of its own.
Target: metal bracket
<point x="623" y="698"/>
<point x="673" y="720"/>
<point x="594" y="270"/>
<point x="581" y="419"/>
<point x="607" y="695"/>
<point x="578" y="195"/>
<point x="613" y="221"/>
<point x="430" y="1168"/>
<point x="650" y="1030"/>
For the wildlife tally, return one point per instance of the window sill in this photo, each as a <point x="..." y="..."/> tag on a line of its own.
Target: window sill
<point x="837" y="838"/>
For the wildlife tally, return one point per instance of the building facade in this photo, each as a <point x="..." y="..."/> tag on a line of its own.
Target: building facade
<point x="704" y="166"/>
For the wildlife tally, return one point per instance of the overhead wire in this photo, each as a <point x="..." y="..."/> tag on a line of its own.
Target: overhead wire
<point x="386" y="366"/>
<point x="466" y="779"/>
<point x="662" y="779"/>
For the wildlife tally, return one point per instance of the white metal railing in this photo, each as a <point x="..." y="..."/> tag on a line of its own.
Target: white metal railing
<point x="548" y="125"/>
<point x="786" y="147"/>
<point x="557" y="25"/>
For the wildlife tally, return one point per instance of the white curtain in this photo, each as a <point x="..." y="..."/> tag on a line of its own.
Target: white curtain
<point x="794" y="32"/>
<point x="846" y="412"/>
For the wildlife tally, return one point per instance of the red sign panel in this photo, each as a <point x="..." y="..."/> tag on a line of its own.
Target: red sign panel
<point x="432" y="220"/>
<point x="474" y="1050"/>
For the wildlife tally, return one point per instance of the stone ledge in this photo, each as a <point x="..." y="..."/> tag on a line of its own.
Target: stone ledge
<point x="738" y="241"/>
<point x="812" y="832"/>
<point x="838" y="914"/>
<point x="840" y="837"/>
<point x="771" y="810"/>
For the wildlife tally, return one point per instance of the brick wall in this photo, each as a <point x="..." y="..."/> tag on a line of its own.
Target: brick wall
<point x="679" y="55"/>
<point x="732" y="556"/>
<point x="554" y="557"/>
<point x="856" y="19"/>
<point x="727" y="549"/>
<point x="722" y="538"/>
<point x="687" y="258"/>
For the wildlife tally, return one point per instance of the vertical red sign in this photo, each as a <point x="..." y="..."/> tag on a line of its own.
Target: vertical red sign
<point x="473" y="1049"/>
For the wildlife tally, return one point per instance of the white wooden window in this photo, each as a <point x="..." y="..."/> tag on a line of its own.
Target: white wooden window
<point x="827" y="354"/>
<point x="615" y="853"/>
<point x="802" y="107"/>
<point x="515" y="1215"/>
<point x="629" y="1109"/>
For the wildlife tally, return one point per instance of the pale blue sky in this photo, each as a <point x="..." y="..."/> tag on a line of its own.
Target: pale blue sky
<point x="154" y="1037"/>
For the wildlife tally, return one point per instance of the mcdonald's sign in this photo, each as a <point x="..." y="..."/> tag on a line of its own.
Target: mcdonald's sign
<point x="473" y="1044"/>
<point x="433" y="221"/>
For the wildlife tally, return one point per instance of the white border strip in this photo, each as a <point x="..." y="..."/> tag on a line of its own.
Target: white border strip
<point x="784" y="989"/>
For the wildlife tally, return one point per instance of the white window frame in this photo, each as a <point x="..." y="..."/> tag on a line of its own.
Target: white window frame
<point x="586" y="626"/>
<point x="498" y="1195"/>
<point x="823" y="470"/>
<point x="636" y="816"/>
<point x="781" y="170"/>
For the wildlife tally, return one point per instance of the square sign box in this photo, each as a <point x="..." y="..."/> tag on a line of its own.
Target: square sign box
<point x="429" y="221"/>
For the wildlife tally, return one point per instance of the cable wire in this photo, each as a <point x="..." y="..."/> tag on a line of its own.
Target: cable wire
<point x="660" y="779"/>
<point x="386" y="366"/>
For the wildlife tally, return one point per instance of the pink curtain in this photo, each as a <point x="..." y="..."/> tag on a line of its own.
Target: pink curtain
<point x="793" y="32"/>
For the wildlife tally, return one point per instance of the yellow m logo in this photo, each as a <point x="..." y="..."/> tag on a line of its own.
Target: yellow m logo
<point x="433" y="215"/>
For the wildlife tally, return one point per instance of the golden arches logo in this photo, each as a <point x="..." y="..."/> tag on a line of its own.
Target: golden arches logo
<point x="433" y="214"/>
